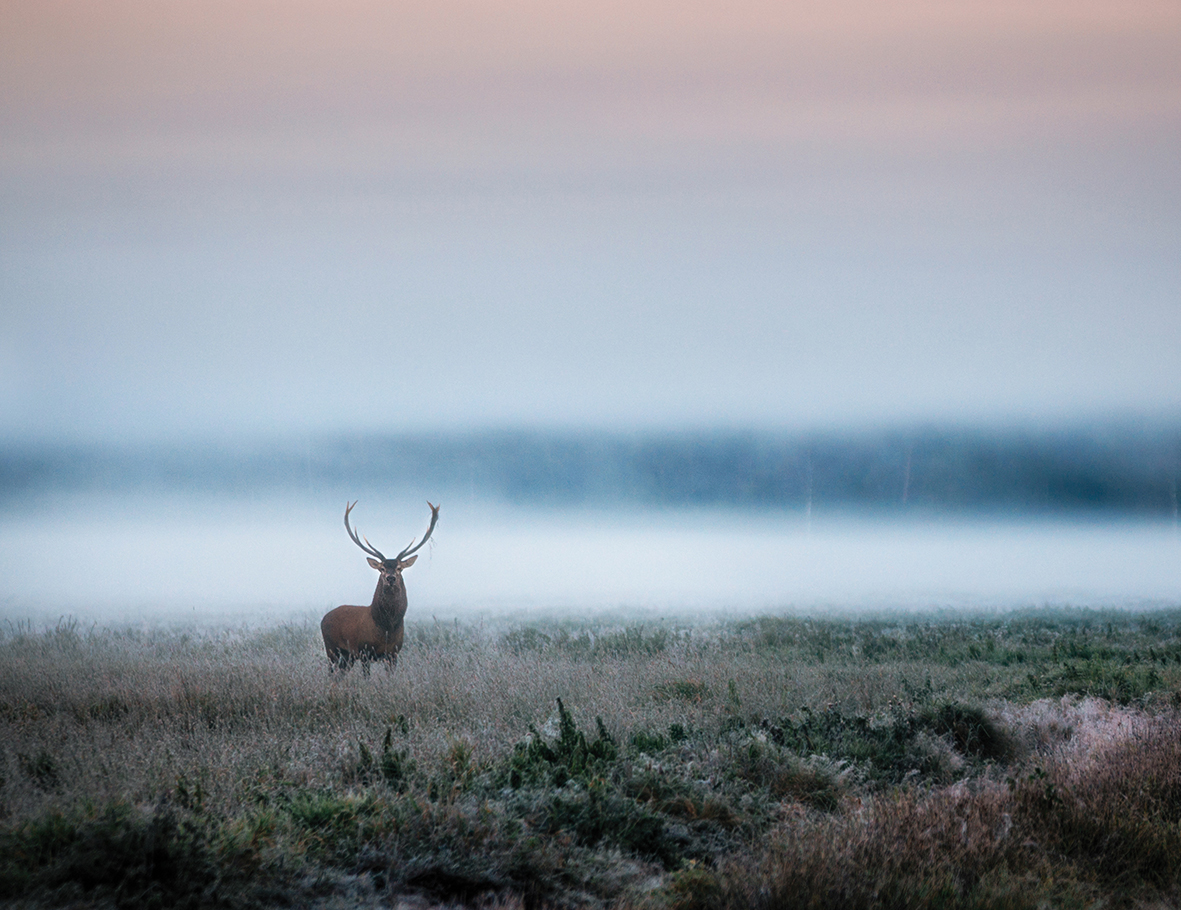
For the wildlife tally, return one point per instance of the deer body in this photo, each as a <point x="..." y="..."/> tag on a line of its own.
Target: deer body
<point x="374" y="632"/>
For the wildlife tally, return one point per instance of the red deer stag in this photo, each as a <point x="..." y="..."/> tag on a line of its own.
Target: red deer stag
<point x="374" y="632"/>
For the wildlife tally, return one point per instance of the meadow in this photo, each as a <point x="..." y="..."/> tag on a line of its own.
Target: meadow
<point x="1018" y="759"/>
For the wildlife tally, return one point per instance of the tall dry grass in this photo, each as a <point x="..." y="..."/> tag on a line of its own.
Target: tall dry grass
<point x="125" y="712"/>
<point x="1092" y="817"/>
<point x="776" y="762"/>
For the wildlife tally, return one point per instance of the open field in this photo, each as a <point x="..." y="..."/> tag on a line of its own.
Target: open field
<point x="1012" y="760"/>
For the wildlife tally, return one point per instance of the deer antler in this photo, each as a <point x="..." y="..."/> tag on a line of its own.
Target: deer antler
<point x="366" y="546"/>
<point x="412" y="548"/>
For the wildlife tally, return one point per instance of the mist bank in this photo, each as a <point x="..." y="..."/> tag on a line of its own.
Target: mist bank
<point x="1108" y="470"/>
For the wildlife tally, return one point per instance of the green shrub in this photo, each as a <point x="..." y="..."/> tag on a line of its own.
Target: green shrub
<point x="571" y="755"/>
<point x="132" y="858"/>
<point x="692" y="888"/>
<point x="888" y="745"/>
<point x="1115" y="681"/>
<point x="335" y="827"/>
<point x="651" y="743"/>
<point x="973" y="732"/>
<point x="597" y="815"/>
<point x="394" y="767"/>
<point x="787" y="776"/>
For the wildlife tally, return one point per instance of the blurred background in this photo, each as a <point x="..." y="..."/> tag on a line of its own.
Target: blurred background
<point x="673" y="305"/>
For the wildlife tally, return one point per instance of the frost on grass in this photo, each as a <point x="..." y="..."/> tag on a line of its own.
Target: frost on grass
<point x="916" y="762"/>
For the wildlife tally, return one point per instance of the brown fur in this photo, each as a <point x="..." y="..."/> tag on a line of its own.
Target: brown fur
<point x="350" y="633"/>
<point x="374" y="632"/>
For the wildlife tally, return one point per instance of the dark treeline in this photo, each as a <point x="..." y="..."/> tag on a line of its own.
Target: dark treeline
<point x="1111" y="470"/>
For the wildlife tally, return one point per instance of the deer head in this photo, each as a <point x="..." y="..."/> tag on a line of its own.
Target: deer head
<point x="376" y="558"/>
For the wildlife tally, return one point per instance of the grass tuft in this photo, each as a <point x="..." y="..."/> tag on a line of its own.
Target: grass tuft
<point x="1030" y="759"/>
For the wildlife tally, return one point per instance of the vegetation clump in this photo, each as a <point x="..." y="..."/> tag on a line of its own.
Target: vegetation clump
<point x="124" y="855"/>
<point x="569" y="756"/>
<point x="1025" y="759"/>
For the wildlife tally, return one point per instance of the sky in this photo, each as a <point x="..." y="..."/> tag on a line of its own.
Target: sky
<point x="235" y="216"/>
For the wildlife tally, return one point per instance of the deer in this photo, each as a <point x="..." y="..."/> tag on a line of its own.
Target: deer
<point x="374" y="632"/>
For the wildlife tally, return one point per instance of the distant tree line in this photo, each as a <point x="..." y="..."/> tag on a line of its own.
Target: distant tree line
<point x="1101" y="470"/>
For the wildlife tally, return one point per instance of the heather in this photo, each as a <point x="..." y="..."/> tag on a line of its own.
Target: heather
<point x="1030" y="758"/>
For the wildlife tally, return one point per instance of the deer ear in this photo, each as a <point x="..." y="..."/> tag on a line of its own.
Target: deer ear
<point x="373" y="562"/>
<point x="407" y="563"/>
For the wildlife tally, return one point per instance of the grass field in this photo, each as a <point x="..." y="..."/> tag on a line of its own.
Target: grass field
<point x="1018" y="760"/>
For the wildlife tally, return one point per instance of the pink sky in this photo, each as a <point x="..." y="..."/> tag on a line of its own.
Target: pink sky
<point x="773" y="212"/>
<point x="305" y="81"/>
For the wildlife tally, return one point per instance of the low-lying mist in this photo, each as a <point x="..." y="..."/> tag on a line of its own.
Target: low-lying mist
<point x="215" y="559"/>
<point x="554" y="522"/>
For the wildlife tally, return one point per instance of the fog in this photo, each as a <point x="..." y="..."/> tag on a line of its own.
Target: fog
<point x="649" y="524"/>
<point x="897" y="282"/>
<point x="170" y="559"/>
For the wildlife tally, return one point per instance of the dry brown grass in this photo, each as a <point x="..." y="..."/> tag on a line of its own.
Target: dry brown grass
<point x="1093" y="817"/>
<point x="127" y="712"/>
<point x="707" y="801"/>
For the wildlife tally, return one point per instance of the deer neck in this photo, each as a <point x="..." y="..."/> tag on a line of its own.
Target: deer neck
<point x="389" y="605"/>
